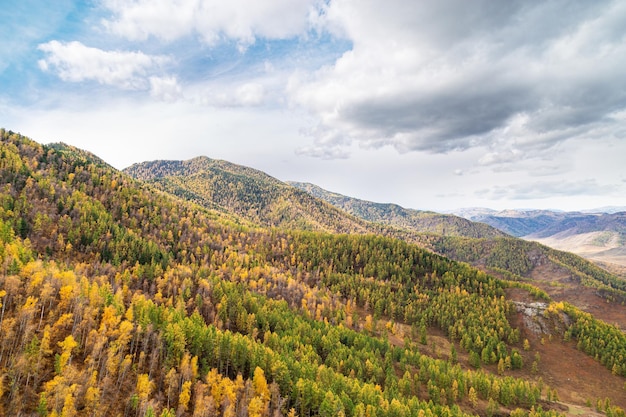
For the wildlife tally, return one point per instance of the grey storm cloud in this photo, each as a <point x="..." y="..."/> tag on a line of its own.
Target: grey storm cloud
<point x="450" y="75"/>
<point x="439" y="122"/>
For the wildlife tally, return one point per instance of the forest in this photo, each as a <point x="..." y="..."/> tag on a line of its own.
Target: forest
<point x="262" y="200"/>
<point x="118" y="298"/>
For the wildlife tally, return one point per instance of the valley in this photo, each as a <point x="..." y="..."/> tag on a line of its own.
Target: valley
<point x="600" y="247"/>
<point x="595" y="235"/>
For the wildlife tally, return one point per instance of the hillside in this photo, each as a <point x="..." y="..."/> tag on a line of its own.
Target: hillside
<point x="393" y="215"/>
<point x="266" y="201"/>
<point x="119" y="299"/>
<point x="246" y="192"/>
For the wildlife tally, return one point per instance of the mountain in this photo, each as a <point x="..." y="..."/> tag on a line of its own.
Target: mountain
<point x="120" y="299"/>
<point x="599" y="236"/>
<point x="576" y="224"/>
<point x="259" y="199"/>
<point x="394" y="215"/>
<point x="246" y="192"/>
<point x="606" y="209"/>
<point x="262" y="200"/>
<point x="514" y="222"/>
<point x="265" y="200"/>
<point x="268" y="202"/>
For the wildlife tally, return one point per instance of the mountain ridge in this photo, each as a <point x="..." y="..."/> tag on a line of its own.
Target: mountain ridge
<point x="501" y="254"/>
<point x="247" y="192"/>
<point x="395" y="215"/>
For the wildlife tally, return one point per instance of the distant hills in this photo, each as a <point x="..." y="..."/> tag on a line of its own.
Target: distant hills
<point x="514" y="222"/>
<point x="600" y="236"/>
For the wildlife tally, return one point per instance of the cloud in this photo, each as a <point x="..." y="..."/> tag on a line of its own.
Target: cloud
<point x="165" y="88"/>
<point x="76" y="62"/>
<point x="323" y="152"/>
<point x="515" y="77"/>
<point x="547" y="189"/>
<point x="225" y="94"/>
<point x="499" y="157"/>
<point x="250" y="94"/>
<point x="211" y="20"/>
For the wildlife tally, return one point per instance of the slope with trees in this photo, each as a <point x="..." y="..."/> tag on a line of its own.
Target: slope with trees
<point x="246" y="192"/>
<point x="481" y="245"/>
<point x="427" y="222"/>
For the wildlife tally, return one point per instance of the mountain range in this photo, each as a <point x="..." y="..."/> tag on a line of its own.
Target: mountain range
<point x="198" y="288"/>
<point x="596" y="235"/>
<point x="261" y="199"/>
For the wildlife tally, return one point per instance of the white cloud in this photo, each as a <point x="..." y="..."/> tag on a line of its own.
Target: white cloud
<point x="165" y="88"/>
<point x="323" y="152"/>
<point x="491" y="102"/>
<point x="549" y="189"/>
<point x="499" y="157"/>
<point x="76" y="62"/>
<point x="250" y="94"/>
<point x="232" y="93"/>
<point x="211" y="20"/>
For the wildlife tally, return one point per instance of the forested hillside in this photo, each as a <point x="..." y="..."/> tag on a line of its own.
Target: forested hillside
<point x="118" y="299"/>
<point x="262" y="199"/>
<point x="518" y="259"/>
<point x="482" y="245"/>
<point x="394" y="215"/>
<point x="246" y="192"/>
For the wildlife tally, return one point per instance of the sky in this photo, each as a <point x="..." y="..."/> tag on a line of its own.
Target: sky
<point x="433" y="105"/>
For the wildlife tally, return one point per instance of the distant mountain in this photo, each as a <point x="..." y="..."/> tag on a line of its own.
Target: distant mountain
<point x="514" y="222"/>
<point x="607" y="209"/>
<point x="600" y="236"/>
<point x="574" y="223"/>
<point x="394" y="215"/>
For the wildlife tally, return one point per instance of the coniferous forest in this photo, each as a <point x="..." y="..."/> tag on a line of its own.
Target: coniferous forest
<point x="118" y="298"/>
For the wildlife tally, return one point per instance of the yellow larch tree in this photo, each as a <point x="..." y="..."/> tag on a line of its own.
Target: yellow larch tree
<point x="185" y="396"/>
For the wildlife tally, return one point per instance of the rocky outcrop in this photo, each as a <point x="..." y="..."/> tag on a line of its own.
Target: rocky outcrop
<point x="538" y="321"/>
